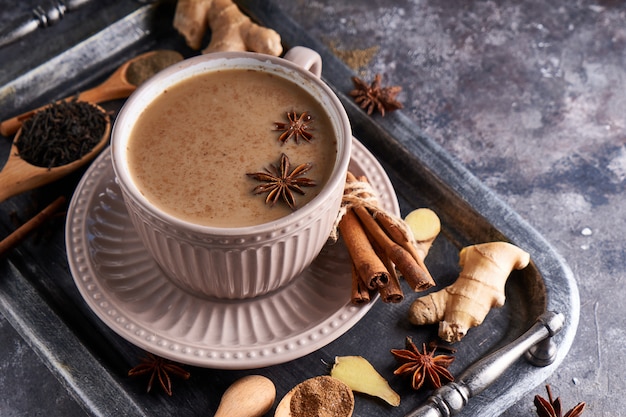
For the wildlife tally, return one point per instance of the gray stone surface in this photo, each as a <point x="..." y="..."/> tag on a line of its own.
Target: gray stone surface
<point x="529" y="95"/>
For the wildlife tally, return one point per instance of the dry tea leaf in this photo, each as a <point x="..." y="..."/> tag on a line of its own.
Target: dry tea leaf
<point x="360" y="375"/>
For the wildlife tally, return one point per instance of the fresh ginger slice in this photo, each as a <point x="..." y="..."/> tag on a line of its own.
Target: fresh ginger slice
<point x="357" y="373"/>
<point x="425" y="226"/>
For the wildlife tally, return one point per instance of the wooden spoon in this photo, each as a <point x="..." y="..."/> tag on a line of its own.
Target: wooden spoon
<point x="119" y="85"/>
<point x="326" y="385"/>
<point x="283" y="409"/>
<point x="250" y="396"/>
<point x="18" y="175"/>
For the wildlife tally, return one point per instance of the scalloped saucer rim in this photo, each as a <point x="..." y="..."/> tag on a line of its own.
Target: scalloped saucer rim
<point x="156" y="329"/>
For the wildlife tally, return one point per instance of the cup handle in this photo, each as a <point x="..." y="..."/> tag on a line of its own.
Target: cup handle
<point x="306" y="58"/>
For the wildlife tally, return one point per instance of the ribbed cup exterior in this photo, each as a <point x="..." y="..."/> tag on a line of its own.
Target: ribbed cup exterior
<point x="234" y="267"/>
<point x="241" y="262"/>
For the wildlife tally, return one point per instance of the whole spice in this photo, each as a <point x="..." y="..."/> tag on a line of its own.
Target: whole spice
<point x="374" y="97"/>
<point x="298" y="127"/>
<point x="21" y="232"/>
<point x="378" y="244"/>
<point x="425" y="227"/>
<point x="552" y="407"/>
<point x="359" y="374"/>
<point x="159" y="368"/>
<point x="322" y="396"/>
<point x="61" y="133"/>
<point x="479" y="287"/>
<point x="423" y="366"/>
<point x="231" y="30"/>
<point x="280" y="181"/>
<point x="394" y="245"/>
<point x="369" y="268"/>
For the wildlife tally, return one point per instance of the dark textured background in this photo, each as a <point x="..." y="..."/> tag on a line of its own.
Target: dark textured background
<point x="530" y="97"/>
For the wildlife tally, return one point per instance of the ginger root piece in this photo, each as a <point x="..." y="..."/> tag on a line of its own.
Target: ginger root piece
<point x="190" y="20"/>
<point x="231" y="30"/>
<point x="357" y="373"/>
<point x="425" y="225"/>
<point x="479" y="287"/>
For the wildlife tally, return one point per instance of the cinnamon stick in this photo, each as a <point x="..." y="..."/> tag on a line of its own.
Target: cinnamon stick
<point x="391" y="293"/>
<point x="360" y="295"/>
<point x="409" y="263"/>
<point x="21" y="232"/>
<point x="368" y="265"/>
<point x="399" y="237"/>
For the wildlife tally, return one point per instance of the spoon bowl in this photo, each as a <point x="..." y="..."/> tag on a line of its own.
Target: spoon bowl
<point x="19" y="175"/>
<point x="283" y="409"/>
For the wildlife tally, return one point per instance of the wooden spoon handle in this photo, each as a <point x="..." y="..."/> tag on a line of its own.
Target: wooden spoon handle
<point x="12" y="125"/>
<point x="107" y="92"/>
<point x="250" y="396"/>
<point x="18" y="176"/>
<point x="115" y="87"/>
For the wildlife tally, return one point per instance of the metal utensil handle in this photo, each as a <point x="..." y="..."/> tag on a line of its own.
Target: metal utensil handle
<point x="55" y="10"/>
<point x="40" y="17"/>
<point x="451" y="398"/>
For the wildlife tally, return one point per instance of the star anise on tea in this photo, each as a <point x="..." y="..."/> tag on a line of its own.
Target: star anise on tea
<point x="424" y="367"/>
<point x="553" y="408"/>
<point x="159" y="368"/>
<point x="375" y="97"/>
<point x="298" y="127"/>
<point x="280" y="181"/>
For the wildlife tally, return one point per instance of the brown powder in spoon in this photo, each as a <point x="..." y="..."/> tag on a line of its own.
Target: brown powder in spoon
<point x="322" y="396"/>
<point x="142" y="69"/>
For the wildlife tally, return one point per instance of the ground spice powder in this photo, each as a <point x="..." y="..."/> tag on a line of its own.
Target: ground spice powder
<point x="322" y="396"/>
<point x="142" y="69"/>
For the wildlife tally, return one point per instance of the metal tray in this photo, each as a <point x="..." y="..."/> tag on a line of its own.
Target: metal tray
<point x="39" y="298"/>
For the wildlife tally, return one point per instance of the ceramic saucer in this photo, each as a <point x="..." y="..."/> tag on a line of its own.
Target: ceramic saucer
<point x="127" y="290"/>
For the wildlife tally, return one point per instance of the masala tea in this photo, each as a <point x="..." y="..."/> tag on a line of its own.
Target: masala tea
<point x="232" y="166"/>
<point x="194" y="150"/>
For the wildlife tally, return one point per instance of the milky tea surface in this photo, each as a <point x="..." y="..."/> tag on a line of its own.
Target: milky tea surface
<point x="191" y="148"/>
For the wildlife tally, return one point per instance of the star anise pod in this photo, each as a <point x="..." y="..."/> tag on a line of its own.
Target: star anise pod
<point x="552" y="407"/>
<point x="423" y="366"/>
<point x="298" y="127"/>
<point x="280" y="181"/>
<point x="374" y="97"/>
<point x="159" y="368"/>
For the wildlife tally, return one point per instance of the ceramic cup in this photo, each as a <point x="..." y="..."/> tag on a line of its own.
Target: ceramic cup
<point x="239" y="262"/>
